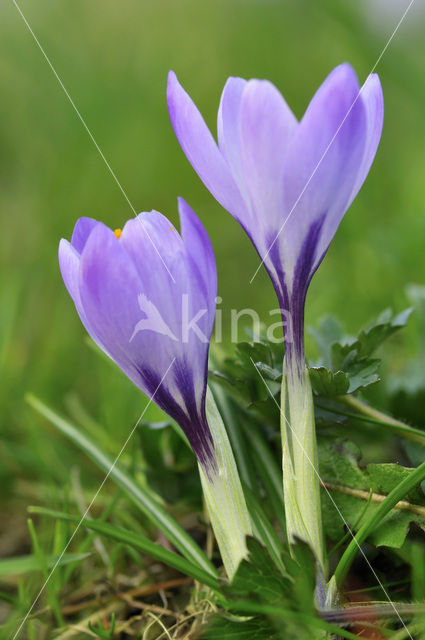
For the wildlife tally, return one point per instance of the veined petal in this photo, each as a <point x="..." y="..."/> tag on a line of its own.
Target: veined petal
<point x="138" y="320"/>
<point x="69" y="264"/>
<point x="110" y="288"/>
<point x="228" y="128"/>
<point x="200" y="252"/>
<point x="373" y="101"/>
<point x="201" y="149"/>
<point x="83" y="228"/>
<point x="153" y="238"/>
<point x="157" y="253"/>
<point x="322" y="165"/>
<point x="266" y="127"/>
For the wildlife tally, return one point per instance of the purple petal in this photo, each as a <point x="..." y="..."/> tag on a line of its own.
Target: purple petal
<point x="109" y="288"/>
<point x="134" y="313"/>
<point x="323" y="163"/>
<point x="82" y="230"/>
<point x="201" y="149"/>
<point x="228" y="128"/>
<point x="151" y="238"/>
<point x="266" y="129"/>
<point x="199" y="249"/>
<point x="158" y="255"/>
<point x="69" y="264"/>
<point x="373" y="101"/>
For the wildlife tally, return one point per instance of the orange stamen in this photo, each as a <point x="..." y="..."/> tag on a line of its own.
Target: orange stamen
<point x="118" y="232"/>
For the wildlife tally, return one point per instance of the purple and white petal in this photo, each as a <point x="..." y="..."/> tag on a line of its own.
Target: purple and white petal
<point x="69" y="264"/>
<point x="133" y="294"/>
<point x="228" y="128"/>
<point x="201" y="149"/>
<point x="201" y="255"/>
<point x="373" y="101"/>
<point x="322" y="164"/>
<point x="266" y="128"/>
<point x="297" y="179"/>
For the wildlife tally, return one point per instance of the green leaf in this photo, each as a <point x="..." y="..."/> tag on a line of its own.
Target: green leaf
<point x="327" y="383"/>
<point x="141" y="497"/>
<point x="27" y="564"/>
<point x="239" y="377"/>
<point x="139" y="542"/>
<point x="263" y="529"/>
<point x="259" y="588"/>
<point x="385" y="326"/>
<point x="280" y="607"/>
<point x="257" y="576"/>
<point x="350" y="485"/>
<point x="376" y="518"/>
<point x="346" y="364"/>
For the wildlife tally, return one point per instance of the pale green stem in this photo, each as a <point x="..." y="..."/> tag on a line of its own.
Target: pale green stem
<point x="300" y="465"/>
<point x="224" y="496"/>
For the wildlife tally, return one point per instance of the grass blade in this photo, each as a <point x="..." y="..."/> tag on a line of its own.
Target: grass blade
<point x="26" y="564"/>
<point x="141" y="543"/>
<point x="143" y="499"/>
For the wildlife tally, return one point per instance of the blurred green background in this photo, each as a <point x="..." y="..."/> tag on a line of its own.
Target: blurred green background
<point x="113" y="58"/>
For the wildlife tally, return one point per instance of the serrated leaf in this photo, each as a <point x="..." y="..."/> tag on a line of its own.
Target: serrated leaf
<point x="384" y="327"/>
<point x="362" y="374"/>
<point x="346" y="364"/>
<point x="260" y="589"/>
<point x="350" y="485"/>
<point x="327" y="383"/>
<point x="269" y="373"/>
<point x="257" y="576"/>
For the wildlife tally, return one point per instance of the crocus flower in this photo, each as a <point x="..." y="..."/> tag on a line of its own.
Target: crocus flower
<point x="146" y="295"/>
<point x="288" y="183"/>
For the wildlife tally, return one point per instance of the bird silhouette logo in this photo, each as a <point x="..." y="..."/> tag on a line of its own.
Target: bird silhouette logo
<point x="153" y="321"/>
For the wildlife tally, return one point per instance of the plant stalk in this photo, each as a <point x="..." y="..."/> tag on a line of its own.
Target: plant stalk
<point x="301" y="483"/>
<point x="224" y="496"/>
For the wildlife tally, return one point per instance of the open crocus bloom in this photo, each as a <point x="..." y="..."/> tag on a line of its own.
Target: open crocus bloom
<point x="289" y="184"/>
<point x="146" y="295"/>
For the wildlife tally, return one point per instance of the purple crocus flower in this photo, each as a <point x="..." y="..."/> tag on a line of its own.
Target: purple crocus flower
<point x="288" y="183"/>
<point x="146" y="295"/>
<point x="136" y="292"/>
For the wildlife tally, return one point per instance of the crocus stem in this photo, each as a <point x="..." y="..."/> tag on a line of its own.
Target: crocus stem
<point x="224" y="496"/>
<point x="300" y="466"/>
